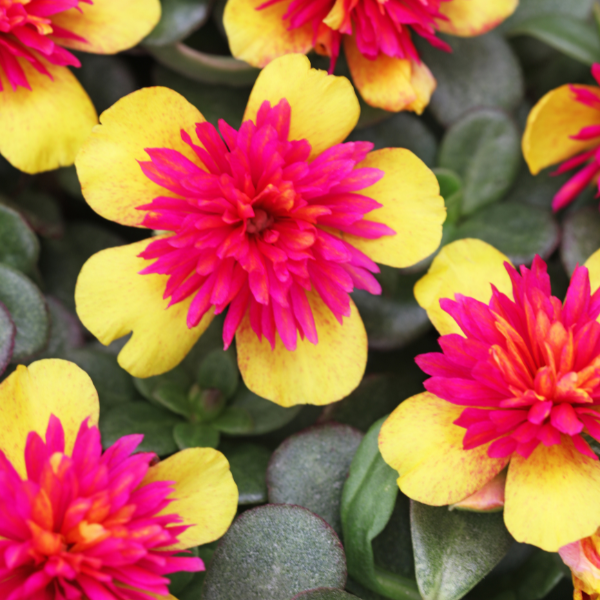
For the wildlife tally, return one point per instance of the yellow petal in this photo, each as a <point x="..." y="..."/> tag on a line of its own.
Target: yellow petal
<point x="412" y="207"/>
<point x="259" y="36"/>
<point x="205" y="494"/>
<point x="593" y="266"/>
<point x="325" y="108"/>
<point x="550" y="123"/>
<point x="312" y="374"/>
<point x="393" y="84"/>
<point x="109" y="26"/>
<point x="31" y="394"/>
<point x="113" y="299"/>
<point x="552" y="497"/>
<point x="474" y="17"/>
<point x="43" y="128"/>
<point x="467" y="267"/>
<point x="111" y="179"/>
<point x="421" y="442"/>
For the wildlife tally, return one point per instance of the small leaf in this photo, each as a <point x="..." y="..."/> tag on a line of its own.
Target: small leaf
<point x="454" y="550"/>
<point x="248" y="464"/>
<point x="451" y="189"/>
<point x="8" y="331"/>
<point x="195" y="435"/>
<point x="517" y="230"/>
<point x="581" y="237"/>
<point x="234" y="421"/>
<point x="310" y="468"/>
<point x="484" y="149"/>
<point x="171" y="396"/>
<point x="19" y="246"/>
<point x="219" y="371"/>
<point x="573" y="37"/>
<point x="178" y="19"/>
<point x="274" y="553"/>
<point x="324" y="594"/>
<point x="177" y="378"/>
<point x="28" y="310"/>
<point x="156" y="424"/>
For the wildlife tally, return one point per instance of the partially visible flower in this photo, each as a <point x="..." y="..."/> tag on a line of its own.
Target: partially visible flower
<point x="79" y="523"/>
<point x="377" y="36"/>
<point x="564" y="126"/>
<point x="583" y="558"/>
<point x="274" y="223"/>
<point x="517" y="384"/>
<point x="45" y="114"/>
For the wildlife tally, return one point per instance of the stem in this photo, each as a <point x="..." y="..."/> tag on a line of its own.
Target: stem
<point x="396" y="587"/>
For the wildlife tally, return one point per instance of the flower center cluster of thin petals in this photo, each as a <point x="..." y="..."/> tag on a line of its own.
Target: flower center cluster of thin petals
<point x="527" y="368"/>
<point x="84" y="526"/>
<point x="379" y="26"/>
<point x="256" y="226"/>
<point x="28" y="33"/>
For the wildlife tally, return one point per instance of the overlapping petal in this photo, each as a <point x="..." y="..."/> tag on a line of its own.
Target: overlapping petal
<point x="468" y="18"/>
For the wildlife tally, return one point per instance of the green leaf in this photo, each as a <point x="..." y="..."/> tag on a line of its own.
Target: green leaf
<point x="65" y="330"/>
<point x="274" y="553"/>
<point x="204" y="68"/>
<point x="19" y="246"/>
<point x="484" y="149"/>
<point x="517" y="230"/>
<point x="219" y="371"/>
<point x="9" y="176"/>
<point x="479" y="72"/>
<point x="324" y="594"/>
<point x="234" y="421"/>
<point x="41" y="211"/>
<point x="156" y="424"/>
<point x="170" y="395"/>
<point x="248" y="464"/>
<point x="573" y="37"/>
<point x="193" y="591"/>
<point x="581" y="237"/>
<point x="451" y="189"/>
<point x="178" y="19"/>
<point x="368" y="500"/>
<point x="177" y="378"/>
<point x="69" y="182"/>
<point x="454" y="550"/>
<point x="536" y="190"/>
<point x="181" y="579"/>
<point x="266" y="415"/>
<point x="309" y="469"/>
<point x="8" y="331"/>
<point x="195" y="435"/>
<point x="528" y="9"/>
<point x="28" y="310"/>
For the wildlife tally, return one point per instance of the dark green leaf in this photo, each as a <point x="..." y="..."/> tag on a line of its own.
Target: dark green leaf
<point x="274" y="553"/>
<point x="178" y="378"/>
<point x="65" y="330"/>
<point x="248" y="464"/>
<point x="581" y="237"/>
<point x="195" y="435"/>
<point x="234" y="421"/>
<point x="9" y="176"/>
<point x="8" y="332"/>
<point x="518" y="230"/>
<point x="170" y="395"/>
<point x="575" y="38"/>
<point x="528" y="9"/>
<point x="454" y="550"/>
<point x="193" y="591"/>
<point x="19" y="246"/>
<point x="69" y="182"/>
<point x="156" y="424"/>
<point x="181" y="579"/>
<point x="479" y="72"/>
<point x="451" y="189"/>
<point x="41" y="211"/>
<point x="309" y="469"/>
<point x="28" y="310"/>
<point x="368" y="500"/>
<point x="219" y="371"/>
<point x="178" y="19"/>
<point x="535" y="190"/>
<point x="484" y="149"/>
<point x="324" y="594"/>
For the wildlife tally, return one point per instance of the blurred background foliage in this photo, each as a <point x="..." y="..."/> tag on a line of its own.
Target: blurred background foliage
<point x="321" y="463"/>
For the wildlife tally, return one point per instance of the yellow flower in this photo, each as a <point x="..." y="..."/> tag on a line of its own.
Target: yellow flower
<point x="264" y="222"/>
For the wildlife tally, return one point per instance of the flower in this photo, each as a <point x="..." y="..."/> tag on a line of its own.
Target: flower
<point x="277" y="221"/>
<point x="45" y="114"/>
<point x="583" y="558"/>
<point x="565" y="126"/>
<point x="76" y="523"/>
<point x="376" y="35"/>
<point x="517" y="385"/>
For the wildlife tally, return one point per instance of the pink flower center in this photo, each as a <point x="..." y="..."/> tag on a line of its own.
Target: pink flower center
<point x="528" y="369"/>
<point x="256" y="225"/>
<point x="380" y="26"/>
<point x="28" y="33"/>
<point x="84" y="525"/>
<point x="591" y="158"/>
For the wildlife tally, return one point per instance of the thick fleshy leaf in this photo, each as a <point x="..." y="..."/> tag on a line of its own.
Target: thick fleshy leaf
<point x="178" y="19"/>
<point x="481" y="71"/>
<point x="454" y="550"/>
<point x="483" y="148"/>
<point x="65" y="330"/>
<point x="310" y="468"/>
<point x="8" y="332"/>
<point x="368" y="501"/>
<point x="28" y="310"/>
<point x="219" y="371"/>
<point x="528" y="9"/>
<point x="581" y="237"/>
<point x="169" y="390"/>
<point x="195" y="435"/>
<point x="41" y="211"/>
<point x="274" y="553"/>
<point x="234" y="421"/>
<point x="324" y="594"/>
<point x="248" y="464"/>
<point x="19" y="246"/>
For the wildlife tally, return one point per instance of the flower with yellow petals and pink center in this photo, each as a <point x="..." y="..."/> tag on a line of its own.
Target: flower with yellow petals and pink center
<point x="377" y="36"/>
<point x="76" y="522"/>
<point x="564" y="127"/>
<point x="273" y="224"/>
<point x="45" y="115"/>
<point x="516" y="387"/>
